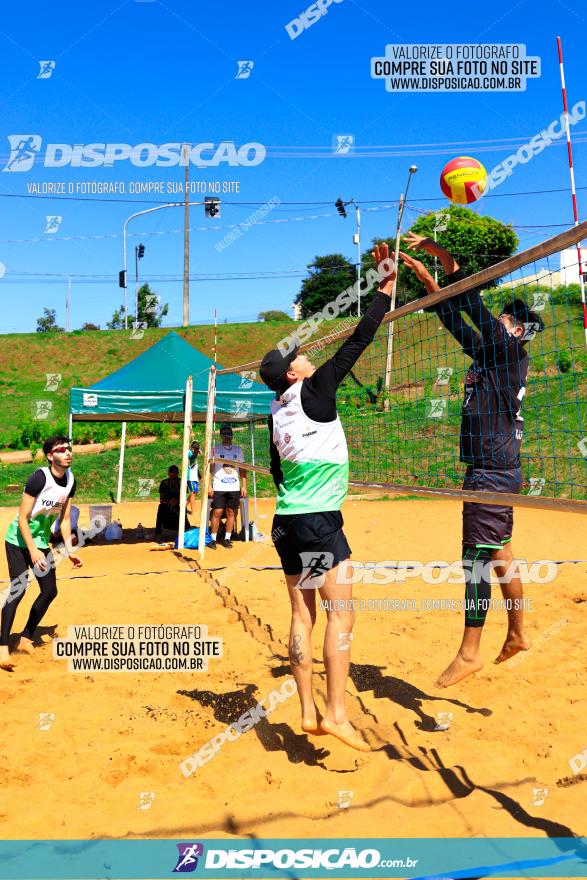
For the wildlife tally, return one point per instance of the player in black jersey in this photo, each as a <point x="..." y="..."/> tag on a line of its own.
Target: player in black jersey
<point x="490" y="440"/>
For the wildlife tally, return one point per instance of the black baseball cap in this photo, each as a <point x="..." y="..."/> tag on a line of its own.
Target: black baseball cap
<point x="274" y="366"/>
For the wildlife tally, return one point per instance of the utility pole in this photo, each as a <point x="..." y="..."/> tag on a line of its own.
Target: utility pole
<point x="186" y="246"/>
<point x="68" y="307"/>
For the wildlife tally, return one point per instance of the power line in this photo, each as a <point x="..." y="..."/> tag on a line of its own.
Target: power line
<point x="323" y="202"/>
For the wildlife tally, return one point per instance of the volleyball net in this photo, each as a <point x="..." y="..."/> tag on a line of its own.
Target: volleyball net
<point x="401" y="404"/>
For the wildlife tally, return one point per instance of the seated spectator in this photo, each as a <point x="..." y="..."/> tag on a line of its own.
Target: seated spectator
<point x="168" y="510"/>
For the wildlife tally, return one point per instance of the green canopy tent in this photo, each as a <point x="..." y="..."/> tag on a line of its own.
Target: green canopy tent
<point x="154" y="388"/>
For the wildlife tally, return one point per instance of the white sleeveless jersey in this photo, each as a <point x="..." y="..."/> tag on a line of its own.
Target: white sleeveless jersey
<point x="314" y="457"/>
<point x="46" y="509"/>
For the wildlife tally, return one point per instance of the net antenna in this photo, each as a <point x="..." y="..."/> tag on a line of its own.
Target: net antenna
<point x="572" y="176"/>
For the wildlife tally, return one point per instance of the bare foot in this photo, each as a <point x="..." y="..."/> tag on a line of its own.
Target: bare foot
<point x="25" y="646"/>
<point x="457" y="670"/>
<point x="311" y="724"/>
<point x="514" y="643"/>
<point x="346" y="733"/>
<point x="5" y="661"/>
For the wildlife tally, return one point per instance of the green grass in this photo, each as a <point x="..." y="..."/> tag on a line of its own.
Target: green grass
<point x="399" y="444"/>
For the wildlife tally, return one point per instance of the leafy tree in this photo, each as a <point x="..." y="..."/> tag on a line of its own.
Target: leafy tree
<point x="475" y="240"/>
<point x="117" y="320"/>
<point x="89" y="326"/>
<point x="329" y="276"/>
<point x="150" y="310"/>
<point x="48" y="323"/>
<point x="274" y="315"/>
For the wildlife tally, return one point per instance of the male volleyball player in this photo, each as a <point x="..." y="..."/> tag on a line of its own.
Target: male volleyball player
<point x="47" y="495"/>
<point x="490" y="441"/>
<point x="309" y="465"/>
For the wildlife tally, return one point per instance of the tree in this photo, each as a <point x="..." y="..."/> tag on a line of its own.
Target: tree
<point x="329" y="276"/>
<point x="48" y="323"/>
<point x="150" y="310"/>
<point x="90" y="326"/>
<point x="274" y="315"/>
<point x="476" y="241"/>
<point x="117" y="320"/>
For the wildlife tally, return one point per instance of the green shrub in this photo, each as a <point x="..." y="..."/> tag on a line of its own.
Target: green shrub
<point x="564" y="361"/>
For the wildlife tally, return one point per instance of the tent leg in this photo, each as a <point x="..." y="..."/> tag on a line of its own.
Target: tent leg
<point x="187" y="423"/>
<point x="70" y="426"/>
<point x="252" y="427"/>
<point x="206" y="463"/>
<point x="121" y="463"/>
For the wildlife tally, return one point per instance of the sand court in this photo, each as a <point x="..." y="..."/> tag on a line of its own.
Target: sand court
<point x="99" y="753"/>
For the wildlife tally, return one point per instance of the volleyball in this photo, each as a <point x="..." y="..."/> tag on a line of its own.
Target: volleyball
<point x="463" y="180"/>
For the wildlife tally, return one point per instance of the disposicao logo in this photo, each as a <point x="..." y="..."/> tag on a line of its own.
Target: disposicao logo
<point x="25" y="150"/>
<point x="188" y="856"/>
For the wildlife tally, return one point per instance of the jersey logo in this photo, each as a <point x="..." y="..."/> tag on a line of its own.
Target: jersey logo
<point x="286" y="438"/>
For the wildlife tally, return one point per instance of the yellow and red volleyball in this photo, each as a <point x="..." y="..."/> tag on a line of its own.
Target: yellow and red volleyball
<point x="463" y="180"/>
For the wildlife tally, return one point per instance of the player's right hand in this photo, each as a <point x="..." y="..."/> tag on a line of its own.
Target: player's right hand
<point x="38" y="558"/>
<point x="418" y="268"/>
<point x="417" y="242"/>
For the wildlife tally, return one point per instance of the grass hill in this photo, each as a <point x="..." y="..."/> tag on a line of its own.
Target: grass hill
<point x="390" y="437"/>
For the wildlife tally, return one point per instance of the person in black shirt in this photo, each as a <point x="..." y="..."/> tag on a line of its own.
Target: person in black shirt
<point x="168" y="510"/>
<point x="490" y="441"/>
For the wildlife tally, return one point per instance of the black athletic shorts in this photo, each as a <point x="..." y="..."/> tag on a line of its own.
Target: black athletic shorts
<point x="222" y="500"/>
<point x="488" y="525"/>
<point x="310" y="542"/>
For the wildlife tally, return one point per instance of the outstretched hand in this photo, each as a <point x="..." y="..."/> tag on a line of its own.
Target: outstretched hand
<point x="417" y="242"/>
<point x="387" y="270"/>
<point x="417" y="267"/>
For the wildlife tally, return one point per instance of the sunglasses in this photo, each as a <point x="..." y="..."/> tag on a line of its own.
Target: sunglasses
<point x="60" y="450"/>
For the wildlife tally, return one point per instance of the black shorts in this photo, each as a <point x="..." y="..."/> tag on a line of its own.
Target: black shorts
<point x="487" y="525"/>
<point x="310" y="542"/>
<point x="222" y="500"/>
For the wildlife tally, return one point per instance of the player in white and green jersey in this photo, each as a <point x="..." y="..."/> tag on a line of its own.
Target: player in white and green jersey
<point x="309" y="464"/>
<point x="47" y="495"/>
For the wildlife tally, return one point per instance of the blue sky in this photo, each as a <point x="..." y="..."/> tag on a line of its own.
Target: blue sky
<point x="158" y="72"/>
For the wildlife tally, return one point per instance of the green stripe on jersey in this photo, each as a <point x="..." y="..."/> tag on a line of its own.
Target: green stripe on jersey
<point x="312" y="486"/>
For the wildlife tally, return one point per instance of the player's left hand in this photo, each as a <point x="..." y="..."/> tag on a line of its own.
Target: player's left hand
<point x="381" y="255"/>
<point x="417" y="267"/>
<point x="244" y="492"/>
<point x="76" y="561"/>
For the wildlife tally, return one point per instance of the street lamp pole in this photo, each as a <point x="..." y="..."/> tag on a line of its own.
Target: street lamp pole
<point x="126" y="222"/>
<point x="402" y="203"/>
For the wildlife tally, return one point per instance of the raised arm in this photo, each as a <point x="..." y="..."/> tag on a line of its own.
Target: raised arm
<point x="419" y="242"/>
<point x="446" y="311"/>
<point x="328" y="377"/>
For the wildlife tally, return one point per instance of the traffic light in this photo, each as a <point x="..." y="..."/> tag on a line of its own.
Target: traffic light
<point x="212" y="206"/>
<point x="141" y="251"/>
<point x="339" y="205"/>
<point x="122" y="278"/>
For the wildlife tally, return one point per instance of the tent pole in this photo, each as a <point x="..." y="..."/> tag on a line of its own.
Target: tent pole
<point x="187" y="423"/>
<point x="252" y="427"/>
<point x="121" y="463"/>
<point x="206" y="457"/>
<point x="70" y="426"/>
